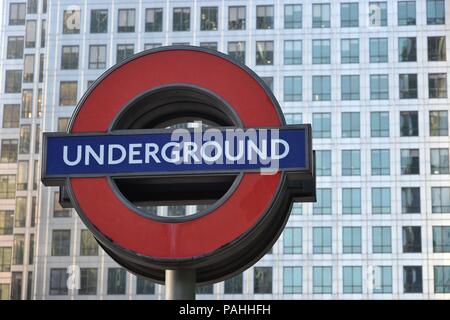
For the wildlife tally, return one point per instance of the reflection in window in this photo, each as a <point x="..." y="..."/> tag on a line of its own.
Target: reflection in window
<point x="264" y="52"/>
<point x="71" y="23"/>
<point x="99" y="21"/>
<point x="208" y="18"/>
<point x="236" y="18"/>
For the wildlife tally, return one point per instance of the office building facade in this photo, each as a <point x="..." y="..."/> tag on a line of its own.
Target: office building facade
<point x="371" y="78"/>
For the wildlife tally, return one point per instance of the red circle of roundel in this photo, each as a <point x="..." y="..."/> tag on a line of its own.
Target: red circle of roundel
<point x="207" y="233"/>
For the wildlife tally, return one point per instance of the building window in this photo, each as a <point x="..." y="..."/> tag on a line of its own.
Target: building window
<point x="28" y="68"/>
<point x="292" y="280"/>
<point x="351" y="240"/>
<point x="22" y="175"/>
<point x="181" y="19"/>
<point x="407" y="49"/>
<point x="13" y="81"/>
<point x="262" y="280"/>
<point x="382" y="279"/>
<point x="321" y="125"/>
<point x="236" y="18"/>
<point x="149" y="46"/>
<point x="154" y="19"/>
<point x="292" y="52"/>
<point x="435" y="12"/>
<point x="410" y="161"/>
<point x="117" y="281"/>
<point x="58" y="210"/>
<point x="97" y="57"/>
<point x="144" y="286"/>
<point x="17" y="13"/>
<point x="350" y="51"/>
<point x="350" y="88"/>
<point x="381" y="240"/>
<point x="439" y="161"/>
<point x="378" y="48"/>
<point x="378" y="14"/>
<point x="11" y="116"/>
<point x="62" y="124"/>
<point x="88" y="244"/>
<point x="233" y="285"/>
<point x="293" y="16"/>
<point x="292" y="88"/>
<point x="6" y="222"/>
<point x="412" y="240"/>
<point x="58" y="281"/>
<point x="124" y="51"/>
<point x="322" y="280"/>
<point x="88" y="281"/>
<point x="409" y="124"/>
<point x="7" y="186"/>
<point x="351" y="201"/>
<point x="379" y="124"/>
<point x="411" y="200"/>
<point x="441" y="239"/>
<point x="406" y="13"/>
<point x="236" y="50"/>
<point x="437" y="49"/>
<point x="61" y="242"/>
<point x="21" y="212"/>
<point x="292" y="240"/>
<point x="71" y="23"/>
<point x="412" y="279"/>
<point x="296" y="208"/>
<point x="351" y="162"/>
<point x="379" y="87"/>
<point x="293" y="118"/>
<point x="321" y="88"/>
<point x="43" y="32"/>
<point x="208" y="21"/>
<point x="264" y="17"/>
<point x="4" y="291"/>
<point x="27" y="103"/>
<point x="352" y="278"/>
<point x="438" y="123"/>
<point x="440" y="197"/>
<point x="69" y="57"/>
<point x="322" y="240"/>
<point x="209" y="45"/>
<point x="441" y="279"/>
<point x="380" y="162"/>
<point x="349" y="15"/>
<point x="68" y="93"/>
<point x="25" y="139"/>
<point x="408" y="86"/>
<point x="321" y="15"/>
<point x="99" y="21"/>
<point x="381" y="200"/>
<point x="126" y="20"/>
<point x="32" y="6"/>
<point x="19" y="247"/>
<point x="205" y="289"/>
<point x="437" y="85"/>
<point x="9" y="151"/>
<point x="264" y="52"/>
<point x="5" y="259"/>
<point x="268" y="81"/>
<point x="15" y="48"/>
<point x="321" y="51"/>
<point x="323" y="162"/>
<point x="323" y="204"/>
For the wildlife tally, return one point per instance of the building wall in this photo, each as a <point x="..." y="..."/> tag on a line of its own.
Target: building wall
<point x="304" y="109"/>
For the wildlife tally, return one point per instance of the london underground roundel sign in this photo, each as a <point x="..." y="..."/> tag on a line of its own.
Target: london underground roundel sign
<point x="127" y="149"/>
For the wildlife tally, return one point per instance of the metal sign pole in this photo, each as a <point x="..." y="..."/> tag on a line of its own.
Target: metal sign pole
<point x="180" y="284"/>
